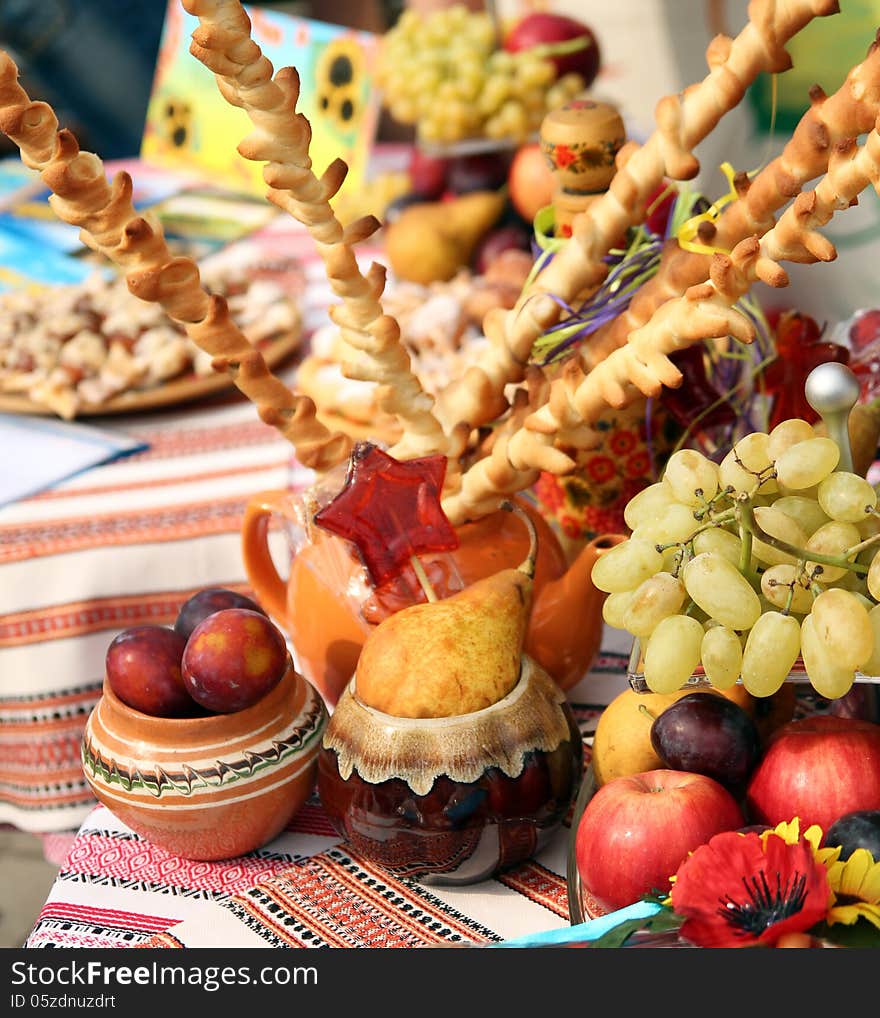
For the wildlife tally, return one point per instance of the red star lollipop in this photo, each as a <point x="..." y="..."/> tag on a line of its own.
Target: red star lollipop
<point x="390" y="510"/>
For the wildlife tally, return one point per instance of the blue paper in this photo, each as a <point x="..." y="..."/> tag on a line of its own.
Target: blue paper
<point x="40" y="452"/>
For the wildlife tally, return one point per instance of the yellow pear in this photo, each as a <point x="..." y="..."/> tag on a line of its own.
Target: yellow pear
<point x="452" y="656"/>
<point x="431" y="241"/>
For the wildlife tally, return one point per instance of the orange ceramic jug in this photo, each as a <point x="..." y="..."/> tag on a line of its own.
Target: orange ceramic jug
<point x="320" y="603"/>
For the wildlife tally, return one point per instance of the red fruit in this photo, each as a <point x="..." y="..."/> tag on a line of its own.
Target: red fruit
<point x="817" y="769"/>
<point x="637" y="830"/>
<point x="143" y="668"/>
<point x="232" y="659"/>
<point x="530" y="181"/>
<point x="207" y="601"/>
<point x="541" y="29"/>
<point x="427" y="174"/>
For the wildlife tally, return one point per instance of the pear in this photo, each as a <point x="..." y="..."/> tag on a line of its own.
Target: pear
<point x="431" y="241"/>
<point x="452" y="656"/>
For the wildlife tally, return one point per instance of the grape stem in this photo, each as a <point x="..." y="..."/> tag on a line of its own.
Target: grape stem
<point x="717" y="521"/>
<point x="856" y="548"/>
<point x="748" y="522"/>
<point x="745" y="548"/>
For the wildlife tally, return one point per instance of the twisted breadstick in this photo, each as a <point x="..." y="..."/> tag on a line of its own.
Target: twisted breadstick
<point x="704" y="311"/>
<point x="682" y="122"/>
<point x="110" y="225"/>
<point x="848" y="113"/>
<point x="244" y="75"/>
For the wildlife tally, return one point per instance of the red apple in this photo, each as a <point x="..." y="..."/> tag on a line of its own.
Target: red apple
<point x="542" y="29"/>
<point x="637" y="830"/>
<point x="530" y="181"/>
<point x="427" y="174"/>
<point x="817" y="769"/>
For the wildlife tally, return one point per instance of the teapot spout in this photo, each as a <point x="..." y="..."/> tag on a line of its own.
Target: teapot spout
<point x="566" y="627"/>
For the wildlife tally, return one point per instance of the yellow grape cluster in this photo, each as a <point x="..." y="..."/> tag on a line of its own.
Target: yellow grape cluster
<point x="746" y="565"/>
<point x="444" y="72"/>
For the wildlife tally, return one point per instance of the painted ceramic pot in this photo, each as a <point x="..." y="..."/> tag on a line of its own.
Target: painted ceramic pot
<point x="211" y="787"/>
<point x="453" y="800"/>
<point x="629" y="454"/>
<point x="580" y="141"/>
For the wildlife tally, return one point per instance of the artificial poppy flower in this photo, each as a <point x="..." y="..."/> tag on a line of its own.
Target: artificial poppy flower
<point x="744" y="890"/>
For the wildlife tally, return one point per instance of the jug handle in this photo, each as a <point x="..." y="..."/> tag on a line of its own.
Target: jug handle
<point x="269" y="587"/>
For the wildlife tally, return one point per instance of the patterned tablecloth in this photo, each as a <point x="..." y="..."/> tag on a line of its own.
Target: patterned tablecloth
<point x="304" y="889"/>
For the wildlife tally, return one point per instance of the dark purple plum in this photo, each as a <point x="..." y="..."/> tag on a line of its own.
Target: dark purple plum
<point x="859" y="829"/>
<point x="708" y="735"/>
<point x="233" y="658"/>
<point x="495" y="242"/>
<point x="480" y="171"/>
<point x="143" y="668"/>
<point x="207" y="601"/>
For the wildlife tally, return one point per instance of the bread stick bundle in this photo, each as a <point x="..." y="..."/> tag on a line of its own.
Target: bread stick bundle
<point x="848" y="113"/>
<point x="704" y="311"/>
<point x="683" y="121"/>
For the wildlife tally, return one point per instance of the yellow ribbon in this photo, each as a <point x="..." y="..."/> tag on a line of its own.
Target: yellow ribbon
<point x="690" y="229"/>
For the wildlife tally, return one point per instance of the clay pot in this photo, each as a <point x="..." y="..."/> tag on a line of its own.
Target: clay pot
<point x="321" y="603"/>
<point x="211" y="787"/>
<point x="453" y="800"/>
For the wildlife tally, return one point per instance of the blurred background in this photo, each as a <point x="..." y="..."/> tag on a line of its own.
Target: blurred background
<point x="93" y="60"/>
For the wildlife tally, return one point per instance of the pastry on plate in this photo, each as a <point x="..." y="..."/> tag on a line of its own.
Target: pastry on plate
<point x="72" y="348"/>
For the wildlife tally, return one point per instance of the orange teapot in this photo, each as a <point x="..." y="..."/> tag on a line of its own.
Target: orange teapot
<point x="324" y="604"/>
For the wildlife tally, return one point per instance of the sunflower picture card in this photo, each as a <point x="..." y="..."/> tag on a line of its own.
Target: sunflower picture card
<point x="189" y="125"/>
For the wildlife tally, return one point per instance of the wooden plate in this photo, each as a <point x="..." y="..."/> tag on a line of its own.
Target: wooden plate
<point x="176" y="391"/>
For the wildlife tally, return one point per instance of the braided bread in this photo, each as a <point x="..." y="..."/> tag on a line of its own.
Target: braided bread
<point x="704" y="311"/>
<point x="848" y="113"/>
<point x="110" y="225"/>
<point x="683" y="121"/>
<point x="244" y="75"/>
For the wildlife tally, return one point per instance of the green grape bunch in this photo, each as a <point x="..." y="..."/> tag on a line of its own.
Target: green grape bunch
<point x="444" y="72"/>
<point x="745" y="566"/>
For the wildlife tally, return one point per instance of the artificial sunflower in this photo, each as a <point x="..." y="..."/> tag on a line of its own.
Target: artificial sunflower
<point x="745" y="889"/>
<point x="856" y="886"/>
<point x="854" y="881"/>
